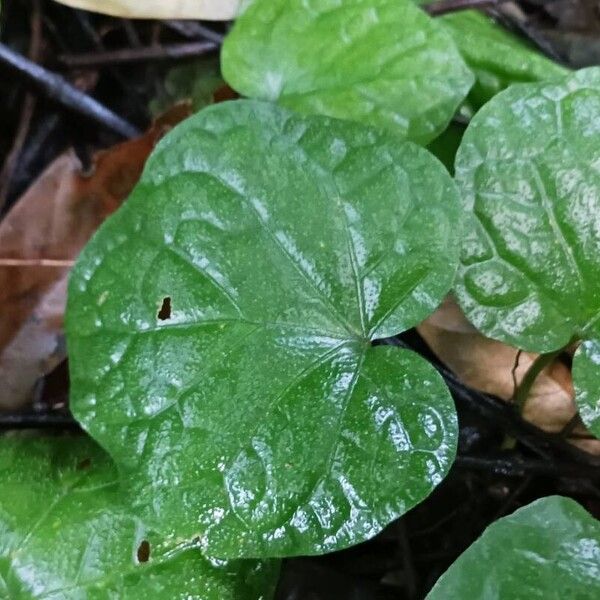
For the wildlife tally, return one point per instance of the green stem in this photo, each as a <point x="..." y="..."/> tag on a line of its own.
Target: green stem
<point x="538" y="365"/>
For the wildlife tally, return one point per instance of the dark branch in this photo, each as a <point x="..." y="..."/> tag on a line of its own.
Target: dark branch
<point x="137" y="55"/>
<point x="545" y="445"/>
<point x="442" y="7"/>
<point x="195" y="31"/>
<point x="27" y="110"/>
<point x="37" y="420"/>
<point x="60" y="90"/>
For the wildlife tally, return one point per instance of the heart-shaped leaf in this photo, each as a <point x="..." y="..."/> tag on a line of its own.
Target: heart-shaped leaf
<point x="381" y="62"/>
<point x="211" y="10"/>
<point x="497" y="57"/>
<point x="548" y="549"/>
<point x="220" y="330"/>
<point x="65" y="533"/>
<point x="529" y="170"/>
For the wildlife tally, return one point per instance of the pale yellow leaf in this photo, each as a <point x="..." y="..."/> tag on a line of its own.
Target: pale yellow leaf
<point x="209" y="10"/>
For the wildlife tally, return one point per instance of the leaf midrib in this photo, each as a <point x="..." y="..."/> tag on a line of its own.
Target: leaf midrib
<point x="325" y="300"/>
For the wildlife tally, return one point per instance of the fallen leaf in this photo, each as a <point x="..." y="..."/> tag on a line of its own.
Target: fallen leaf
<point x="39" y="240"/>
<point x="489" y="366"/>
<point x="209" y="10"/>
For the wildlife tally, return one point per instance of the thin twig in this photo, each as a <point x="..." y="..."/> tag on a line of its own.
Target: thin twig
<point x="12" y="158"/>
<point x="442" y="7"/>
<point x="10" y="163"/>
<point x="524" y="388"/>
<point x="514" y="370"/>
<point x="545" y="445"/>
<point x="193" y="30"/>
<point x="59" y="89"/>
<point x="525" y="31"/>
<point x="94" y="60"/>
<point x="520" y="467"/>
<point x="35" y="420"/>
<point x="131" y="33"/>
<point x="37" y="142"/>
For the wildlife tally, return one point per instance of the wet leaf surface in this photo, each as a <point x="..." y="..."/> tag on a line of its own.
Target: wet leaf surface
<point x="66" y="533"/>
<point x="380" y="62"/>
<point x="231" y="373"/>
<point x="549" y="547"/>
<point x="497" y="57"/>
<point x="586" y="369"/>
<point x="528" y="167"/>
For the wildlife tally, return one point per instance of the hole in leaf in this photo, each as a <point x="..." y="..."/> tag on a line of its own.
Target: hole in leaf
<point x="143" y="551"/>
<point x="165" y="310"/>
<point x="86" y="463"/>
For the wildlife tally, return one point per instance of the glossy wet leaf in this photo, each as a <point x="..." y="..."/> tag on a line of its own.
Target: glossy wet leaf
<point x="586" y="375"/>
<point x="220" y="325"/>
<point x="529" y="170"/>
<point x="380" y="62"/>
<point x="66" y="534"/>
<point x="497" y="57"/>
<point x="548" y="549"/>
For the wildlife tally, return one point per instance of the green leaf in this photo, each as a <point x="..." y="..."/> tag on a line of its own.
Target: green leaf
<point x="529" y="170"/>
<point x="196" y="81"/>
<point x="66" y="534"/>
<point x="586" y="377"/>
<point x="251" y="409"/>
<point x="548" y="549"/>
<point x="380" y="62"/>
<point x="497" y="57"/>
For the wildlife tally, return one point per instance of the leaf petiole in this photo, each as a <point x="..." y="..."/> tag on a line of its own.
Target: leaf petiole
<point x="524" y="388"/>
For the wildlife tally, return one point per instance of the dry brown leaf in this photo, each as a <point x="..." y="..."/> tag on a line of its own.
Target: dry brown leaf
<point x="40" y="238"/>
<point x="489" y="366"/>
<point x="209" y="10"/>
